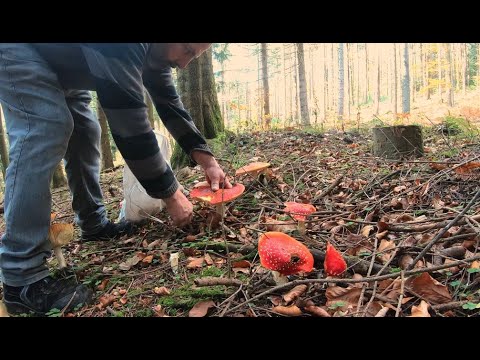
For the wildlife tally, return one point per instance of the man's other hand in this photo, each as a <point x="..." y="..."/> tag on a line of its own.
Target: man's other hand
<point x="179" y="208"/>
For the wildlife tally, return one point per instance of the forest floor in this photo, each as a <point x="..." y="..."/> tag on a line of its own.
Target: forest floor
<point x="380" y="214"/>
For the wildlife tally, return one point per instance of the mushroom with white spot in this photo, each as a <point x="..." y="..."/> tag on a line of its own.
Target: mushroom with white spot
<point x="334" y="264"/>
<point x="299" y="212"/>
<point x="218" y="198"/>
<point x="282" y="253"/>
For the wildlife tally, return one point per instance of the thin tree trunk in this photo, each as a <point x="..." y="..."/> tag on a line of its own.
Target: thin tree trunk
<point x="449" y="78"/>
<point x="395" y="82"/>
<point x="465" y="69"/>
<point x="366" y="73"/>
<point x="377" y="92"/>
<point x="305" y="121"/>
<point x="349" y="86"/>
<point x="406" y="82"/>
<point x="340" y="84"/>
<point x="107" y="158"/>
<point x="266" y="89"/>
<point x="295" y="78"/>
<point x="3" y="145"/>
<point x="59" y="179"/>
<point x="439" y="70"/>
<point x="325" y="80"/>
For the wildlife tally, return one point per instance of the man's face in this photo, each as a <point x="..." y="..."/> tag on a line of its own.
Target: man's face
<point x="181" y="54"/>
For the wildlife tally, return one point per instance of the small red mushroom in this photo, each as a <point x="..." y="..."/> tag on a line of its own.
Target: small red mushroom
<point x="282" y="253"/>
<point x="299" y="212"/>
<point x="334" y="263"/>
<point x="219" y="197"/>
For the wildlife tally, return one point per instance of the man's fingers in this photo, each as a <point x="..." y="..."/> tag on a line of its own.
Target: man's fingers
<point x="215" y="185"/>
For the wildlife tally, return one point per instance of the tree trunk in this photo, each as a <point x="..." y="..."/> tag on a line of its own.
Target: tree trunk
<point x="406" y="82"/>
<point x="107" y="158"/>
<point x="395" y="82"/>
<point x="366" y="73"/>
<point x="377" y="92"/>
<point x="151" y="116"/>
<point x="449" y="76"/>
<point x="196" y="86"/>
<point x="3" y="145"/>
<point x="396" y="142"/>
<point x="341" y="84"/>
<point x="305" y="121"/>
<point x="59" y="179"/>
<point x="325" y="80"/>
<point x="439" y="71"/>
<point x="212" y="116"/>
<point x="266" y="90"/>
<point x="465" y="69"/>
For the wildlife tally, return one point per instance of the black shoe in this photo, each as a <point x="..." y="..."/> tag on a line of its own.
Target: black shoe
<point x="45" y="295"/>
<point x="111" y="231"/>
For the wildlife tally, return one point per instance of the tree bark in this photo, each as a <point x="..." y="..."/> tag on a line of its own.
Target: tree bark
<point x="266" y="90"/>
<point x="3" y="145"/>
<point x="107" y="157"/>
<point x="304" y="113"/>
<point x="396" y="142"/>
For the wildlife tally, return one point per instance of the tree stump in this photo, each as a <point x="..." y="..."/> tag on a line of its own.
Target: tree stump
<point x="396" y="142"/>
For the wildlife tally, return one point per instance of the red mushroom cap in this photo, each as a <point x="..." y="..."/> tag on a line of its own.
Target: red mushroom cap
<point x="299" y="211"/>
<point x="282" y="253"/>
<point x="252" y="168"/>
<point x="206" y="194"/>
<point x="334" y="263"/>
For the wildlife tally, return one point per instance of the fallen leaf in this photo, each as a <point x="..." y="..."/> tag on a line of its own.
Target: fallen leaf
<point x="282" y="187"/>
<point x="161" y="291"/>
<point x="153" y="244"/>
<point x="385" y="250"/>
<point x="201" y="309"/>
<point x="349" y="296"/>
<point x="382" y="312"/>
<point x="241" y="264"/>
<point x="292" y="310"/>
<point x="159" y="311"/>
<point x="147" y="259"/>
<point x="279" y="225"/>
<point x="103" y="284"/>
<point x="174" y="262"/>
<point x="420" y="310"/>
<point x="3" y="310"/>
<point x="317" y="311"/>
<point x="208" y="259"/>
<point x="437" y="202"/>
<point x="294" y="294"/>
<point x="132" y="261"/>
<point x="475" y="265"/>
<point x="366" y="230"/>
<point x="105" y="300"/>
<point x="243" y="232"/>
<point x="429" y="288"/>
<point x="195" y="262"/>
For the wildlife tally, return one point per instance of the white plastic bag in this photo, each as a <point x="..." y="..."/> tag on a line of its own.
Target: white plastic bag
<point x="137" y="204"/>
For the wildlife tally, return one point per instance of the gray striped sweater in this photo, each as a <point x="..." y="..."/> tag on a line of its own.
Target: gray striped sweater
<point x="118" y="73"/>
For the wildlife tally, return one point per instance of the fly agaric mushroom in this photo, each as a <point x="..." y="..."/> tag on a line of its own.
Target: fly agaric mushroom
<point x="299" y="212"/>
<point x="254" y="168"/>
<point x="59" y="235"/>
<point x="334" y="263"/>
<point x="219" y="197"/>
<point x="282" y="253"/>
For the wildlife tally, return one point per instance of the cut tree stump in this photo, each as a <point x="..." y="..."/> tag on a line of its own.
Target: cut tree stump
<point x="396" y="142"/>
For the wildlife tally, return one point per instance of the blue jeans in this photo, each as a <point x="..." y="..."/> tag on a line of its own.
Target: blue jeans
<point x="45" y="124"/>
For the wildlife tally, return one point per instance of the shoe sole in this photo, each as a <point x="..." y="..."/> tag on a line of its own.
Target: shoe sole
<point x="16" y="308"/>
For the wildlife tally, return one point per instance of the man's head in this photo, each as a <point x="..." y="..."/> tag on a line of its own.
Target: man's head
<point x="181" y="54"/>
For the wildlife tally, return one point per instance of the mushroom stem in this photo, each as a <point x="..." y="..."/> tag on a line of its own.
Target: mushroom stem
<point x="61" y="259"/>
<point x="301" y="227"/>
<point x="220" y="209"/>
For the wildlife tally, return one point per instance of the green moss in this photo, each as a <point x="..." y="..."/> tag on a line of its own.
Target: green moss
<point x="211" y="271"/>
<point x="185" y="297"/>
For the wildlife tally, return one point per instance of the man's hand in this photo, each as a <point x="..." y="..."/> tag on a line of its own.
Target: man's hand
<point x="179" y="208"/>
<point x="213" y="172"/>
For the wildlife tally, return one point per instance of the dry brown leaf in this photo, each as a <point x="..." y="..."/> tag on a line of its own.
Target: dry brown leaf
<point x="467" y="168"/>
<point x="159" y="312"/>
<point x="438" y="166"/>
<point x="243" y="232"/>
<point x="105" y="300"/>
<point x="429" y="288"/>
<point x="103" y="284"/>
<point x="317" y="311"/>
<point x="420" y="310"/>
<point x="336" y="294"/>
<point x="385" y="250"/>
<point x="132" y="261"/>
<point x="195" y="262"/>
<point x="373" y="309"/>
<point x="147" y="259"/>
<point x="292" y="310"/>
<point x="201" y="309"/>
<point x="282" y="186"/>
<point x="294" y="294"/>
<point x="61" y="233"/>
<point x="241" y="264"/>
<point x="279" y="225"/>
<point x="366" y="230"/>
<point x="404" y="218"/>
<point x="437" y="203"/>
<point x="382" y="312"/>
<point x="3" y="310"/>
<point x="208" y="259"/>
<point x="162" y="290"/>
<point x="475" y="265"/>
